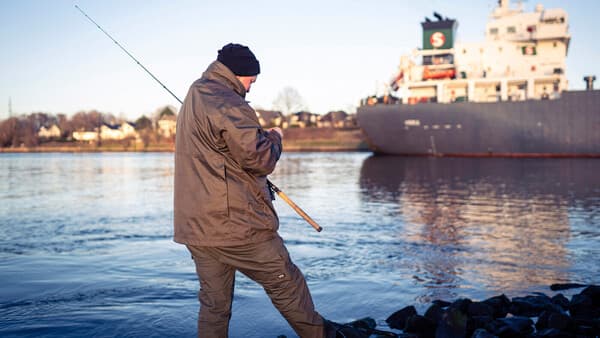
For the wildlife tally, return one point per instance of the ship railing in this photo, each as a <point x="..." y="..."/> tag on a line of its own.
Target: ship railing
<point x="428" y="52"/>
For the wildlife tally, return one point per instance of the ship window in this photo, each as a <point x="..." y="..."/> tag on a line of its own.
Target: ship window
<point x="493" y="30"/>
<point x="511" y="29"/>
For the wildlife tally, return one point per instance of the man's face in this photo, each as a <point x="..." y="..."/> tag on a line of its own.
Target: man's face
<point x="247" y="81"/>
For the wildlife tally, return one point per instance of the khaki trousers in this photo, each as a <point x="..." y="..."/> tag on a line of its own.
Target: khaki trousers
<point x="268" y="263"/>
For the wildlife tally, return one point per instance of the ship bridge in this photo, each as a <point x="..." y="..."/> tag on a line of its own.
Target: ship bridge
<point x="523" y="56"/>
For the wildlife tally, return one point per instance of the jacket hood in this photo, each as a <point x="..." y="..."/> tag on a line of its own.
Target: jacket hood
<point x="218" y="72"/>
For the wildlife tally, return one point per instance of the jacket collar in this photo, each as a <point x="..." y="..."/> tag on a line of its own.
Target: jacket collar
<point x="218" y="72"/>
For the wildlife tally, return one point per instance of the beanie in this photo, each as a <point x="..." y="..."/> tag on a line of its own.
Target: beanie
<point x="239" y="59"/>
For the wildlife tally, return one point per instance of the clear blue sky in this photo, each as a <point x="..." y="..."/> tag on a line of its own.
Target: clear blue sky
<point x="332" y="52"/>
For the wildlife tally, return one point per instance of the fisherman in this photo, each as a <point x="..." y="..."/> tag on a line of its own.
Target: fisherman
<point x="223" y="208"/>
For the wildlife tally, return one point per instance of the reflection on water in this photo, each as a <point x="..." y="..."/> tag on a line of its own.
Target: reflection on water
<point x="494" y="222"/>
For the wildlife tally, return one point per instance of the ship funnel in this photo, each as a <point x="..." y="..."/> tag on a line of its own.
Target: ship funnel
<point x="589" y="82"/>
<point x="439" y="34"/>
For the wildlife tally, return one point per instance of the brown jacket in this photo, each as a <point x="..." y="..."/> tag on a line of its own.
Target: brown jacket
<point x="222" y="160"/>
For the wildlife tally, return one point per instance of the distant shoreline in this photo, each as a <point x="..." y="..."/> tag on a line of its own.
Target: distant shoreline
<point x="76" y="149"/>
<point x="295" y="140"/>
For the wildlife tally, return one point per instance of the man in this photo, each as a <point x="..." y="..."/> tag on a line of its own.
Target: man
<point x="223" y="209"/>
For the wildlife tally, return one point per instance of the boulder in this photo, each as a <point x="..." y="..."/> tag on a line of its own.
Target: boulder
<point x="480" y="309"/>
<point x="593" y="291"/>
<point x="581" y="306"/>
<point x="532" y="306"/>
<point x="461" y="304"/>
<point x="453" y="323"/>
<point x="552" y="333"/>
<point x="482" y="333"/>
<point x="565" y="286"/>
<point x="500" y="305"/>
<point x="397" y="320"/>
<point x="517" y="326"/>
<point x="561" y="301"/>
<point x="434" y="313"/>
<point x="478" y="322"/>
<point x="361" y="328"/>
<point x="421" y="326"/>
<point x="441" y="303"/>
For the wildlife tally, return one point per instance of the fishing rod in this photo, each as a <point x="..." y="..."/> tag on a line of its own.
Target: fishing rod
<point x="272" y="186"/>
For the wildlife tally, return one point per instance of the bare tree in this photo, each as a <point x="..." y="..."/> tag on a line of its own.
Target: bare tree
<point x="143" y="125"/>
<point x="8" y="131"/>
<point x="87" y="120"/>
<point x="289" y="101"/>
<point x="65" y="126"/>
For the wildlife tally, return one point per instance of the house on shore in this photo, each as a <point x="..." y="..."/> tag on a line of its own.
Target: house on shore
<point x="301" y="119"/>
<point x="51" y="132"/>
<point x="166" y="125"/>
<point x="108" y="132"/>
<point x="85" y="136"/>
<point x="118" y="132"/>
<point x="270" y="118"/>
<point x="337" y="119"/>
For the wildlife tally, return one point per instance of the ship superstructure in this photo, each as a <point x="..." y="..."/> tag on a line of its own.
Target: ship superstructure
<point x="522" y="57"/>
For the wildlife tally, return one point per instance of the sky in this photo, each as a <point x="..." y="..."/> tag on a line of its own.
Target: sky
<point x="53" y="60"/>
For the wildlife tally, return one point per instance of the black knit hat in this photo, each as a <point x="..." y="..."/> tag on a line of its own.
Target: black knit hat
<point x="239" y="59"/>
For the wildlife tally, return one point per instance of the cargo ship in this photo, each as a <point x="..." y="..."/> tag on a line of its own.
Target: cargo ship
<point x="506" y="96"/>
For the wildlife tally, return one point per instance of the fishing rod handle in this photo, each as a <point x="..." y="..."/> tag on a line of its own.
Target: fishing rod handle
<point x="296" y="208"/>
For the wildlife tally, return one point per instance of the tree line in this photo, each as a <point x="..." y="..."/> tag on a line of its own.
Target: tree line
<point x="23" y="130"/>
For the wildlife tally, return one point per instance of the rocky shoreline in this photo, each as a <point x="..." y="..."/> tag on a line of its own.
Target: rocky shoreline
<point x="535" y="315"/>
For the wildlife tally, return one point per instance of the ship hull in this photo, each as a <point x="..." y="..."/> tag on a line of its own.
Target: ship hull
<point x="564" y="127"/>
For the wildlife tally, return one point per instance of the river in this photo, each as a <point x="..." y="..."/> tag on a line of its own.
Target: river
<point x="86" y="239"/>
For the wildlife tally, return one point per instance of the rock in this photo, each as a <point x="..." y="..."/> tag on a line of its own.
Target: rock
<point x="397" y="320"/>
<point x="453" y="323"/>
<point x="434" y="313"/>
<point x="560" y="321"/>
<point x="441" y="303"/>
<point x="587" y="326"/>
<point x="532" y="306"/>
<point x="482" y="333"/>
<point x="587" y="331"/>
<point x="581" y="306"/>
<point x="421" y="326"/>
<point x="462" y="304"/>
<point x="565" y="286"/>
<point x="593" y="291"/>
<point x="350" y="332"/>
<point x="511" y="327"/>
<point x="500" y="305"/>
<point x="542" y="321"/>
<point x="366" y="324"/>
<point x="478" y="322"/>
<point x="552" y="333"/>
<point x="561" y="301"/>
<point x="480" y="309"/>
<point x="363" y="329"/>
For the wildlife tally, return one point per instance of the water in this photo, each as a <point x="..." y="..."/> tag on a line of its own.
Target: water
<point x="86" y="249"/>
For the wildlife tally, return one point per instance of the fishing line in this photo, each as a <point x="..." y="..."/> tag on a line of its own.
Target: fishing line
<point x="125" y="50"/>
<point x="272" y="186"/>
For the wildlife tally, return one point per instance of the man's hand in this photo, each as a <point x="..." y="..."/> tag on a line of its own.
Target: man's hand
<point x="277" y="130"/>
